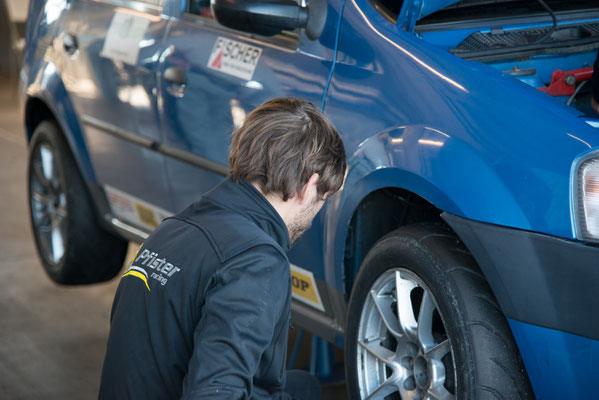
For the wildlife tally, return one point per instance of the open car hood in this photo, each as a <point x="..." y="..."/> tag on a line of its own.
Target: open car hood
<point x="412" y="11"/>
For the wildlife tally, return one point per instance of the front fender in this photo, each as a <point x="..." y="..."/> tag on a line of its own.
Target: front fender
<point x="443" y="169"/>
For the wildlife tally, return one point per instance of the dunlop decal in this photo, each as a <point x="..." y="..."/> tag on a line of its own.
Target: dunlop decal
<point x="304" y="289"/>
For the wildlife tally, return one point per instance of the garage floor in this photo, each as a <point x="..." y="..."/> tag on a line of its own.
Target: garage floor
<point x="52" y="338"/>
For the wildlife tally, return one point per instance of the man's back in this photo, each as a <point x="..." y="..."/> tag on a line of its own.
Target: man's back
<point x="216" y="271"/>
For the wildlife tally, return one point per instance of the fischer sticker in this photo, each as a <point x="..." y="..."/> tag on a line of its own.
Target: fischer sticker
<point x="131" y="209"/>
<point x="124" y="34"/>
<point x="303" y="287"/>
<point x="234" y="58"/>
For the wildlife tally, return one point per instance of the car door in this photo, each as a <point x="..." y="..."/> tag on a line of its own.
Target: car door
<point x="211" y="77"/>
<point x="111" y="52"/>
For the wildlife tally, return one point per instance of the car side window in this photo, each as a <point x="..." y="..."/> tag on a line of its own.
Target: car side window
<point x="200" y="7"/>
<point x="388" y="8"/>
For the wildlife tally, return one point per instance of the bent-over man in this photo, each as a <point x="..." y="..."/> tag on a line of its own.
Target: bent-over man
<point x="202" y="311"/>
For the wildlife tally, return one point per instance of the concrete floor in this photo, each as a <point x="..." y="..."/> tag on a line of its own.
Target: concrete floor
<point x="52" y="338"/>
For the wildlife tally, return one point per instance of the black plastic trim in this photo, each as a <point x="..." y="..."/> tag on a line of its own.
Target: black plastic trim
<point x="537" y="279"/>
<point x="563" y="17"/>
<point x="167" y="150"/>
<point x="565" y="47"/>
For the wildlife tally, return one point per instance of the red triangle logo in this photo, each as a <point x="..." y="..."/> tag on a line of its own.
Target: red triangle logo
<point x="218" y="61"/>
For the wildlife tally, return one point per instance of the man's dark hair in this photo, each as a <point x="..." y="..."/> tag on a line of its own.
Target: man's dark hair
<point x="282" y="143"/>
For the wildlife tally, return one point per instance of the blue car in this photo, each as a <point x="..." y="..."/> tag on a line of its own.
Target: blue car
<point x="459" y="261"/>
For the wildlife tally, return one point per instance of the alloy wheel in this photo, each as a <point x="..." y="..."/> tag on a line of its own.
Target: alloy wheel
<point x="48" y="203"/>
<point x="404" y="351"/>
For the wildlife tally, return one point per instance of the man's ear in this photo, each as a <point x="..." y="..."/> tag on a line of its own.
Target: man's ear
<point x="309" y="190"/>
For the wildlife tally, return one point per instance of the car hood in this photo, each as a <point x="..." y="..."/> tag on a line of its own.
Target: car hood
<point x="430" y="6"/>
<point x="412" y="11"/>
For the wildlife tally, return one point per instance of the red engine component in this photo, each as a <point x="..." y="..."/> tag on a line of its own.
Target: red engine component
<point x="563" y="83"/>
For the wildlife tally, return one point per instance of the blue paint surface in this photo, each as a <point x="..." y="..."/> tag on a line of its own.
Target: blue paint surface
<point x="560" y="365"/>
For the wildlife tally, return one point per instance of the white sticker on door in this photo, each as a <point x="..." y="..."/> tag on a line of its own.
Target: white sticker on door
<point x="133" y="210"/>
<point x="234" y="58"/>
<point x="124" y="34"/>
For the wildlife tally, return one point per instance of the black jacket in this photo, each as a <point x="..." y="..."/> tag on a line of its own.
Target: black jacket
<point x="202" y="311"/>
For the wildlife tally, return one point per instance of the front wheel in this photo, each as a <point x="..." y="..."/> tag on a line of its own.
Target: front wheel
<point x="424" y="324"/>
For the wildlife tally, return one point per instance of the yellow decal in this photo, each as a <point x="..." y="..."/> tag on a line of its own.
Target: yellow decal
<point x="138" y="273"/>
<point x="303" y="287"/>
<point x="146" y="215"/>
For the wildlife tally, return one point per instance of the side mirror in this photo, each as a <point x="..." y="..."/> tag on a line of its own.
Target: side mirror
<point x="269" y="17"/>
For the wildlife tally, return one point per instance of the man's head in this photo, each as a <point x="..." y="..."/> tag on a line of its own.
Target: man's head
<point x="289" y="150"/>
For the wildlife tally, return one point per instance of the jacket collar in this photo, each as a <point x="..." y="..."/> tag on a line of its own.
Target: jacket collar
<point x="243" y="198"/>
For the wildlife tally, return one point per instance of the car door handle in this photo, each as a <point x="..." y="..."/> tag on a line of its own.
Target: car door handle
<point x="175" y="75"/>
<point x="70" y="43"/>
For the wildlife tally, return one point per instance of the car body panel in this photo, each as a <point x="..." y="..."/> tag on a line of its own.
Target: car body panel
<point x="110" y="90"/>
<point x="214" y="101"/>
<point x="516" y="261"/>
<point x="502" y="140"/>
<point x="560" y="365"/>
<point x="45" y="85"/>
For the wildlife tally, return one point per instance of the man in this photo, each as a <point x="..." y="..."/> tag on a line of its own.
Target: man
<point x="202" y="311"/>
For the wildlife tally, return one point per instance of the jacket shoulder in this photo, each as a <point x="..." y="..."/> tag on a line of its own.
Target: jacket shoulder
<point x="229" y="233"/>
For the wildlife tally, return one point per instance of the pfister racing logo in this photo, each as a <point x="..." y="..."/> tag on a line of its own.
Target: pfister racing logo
<point x="160" y="269"/>
<point x="234" y="58"/>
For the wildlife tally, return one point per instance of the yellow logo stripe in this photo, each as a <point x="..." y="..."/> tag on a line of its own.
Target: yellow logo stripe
<point x="138" y="275"/>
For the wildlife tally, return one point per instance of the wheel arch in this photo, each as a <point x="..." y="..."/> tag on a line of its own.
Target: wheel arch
<point x="372" y="207"/>
<point x="408" y="175"/>
<point x="46" y="98"/>
<point x="380" y="212"/>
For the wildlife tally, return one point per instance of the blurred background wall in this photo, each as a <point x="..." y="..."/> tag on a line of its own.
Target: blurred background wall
<point x="13" y="14"/>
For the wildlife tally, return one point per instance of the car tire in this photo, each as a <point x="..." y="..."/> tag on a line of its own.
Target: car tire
<point x="453" y="341"/>
<point x="73" y="248"/>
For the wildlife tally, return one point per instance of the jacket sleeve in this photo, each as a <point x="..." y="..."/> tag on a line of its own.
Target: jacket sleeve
<point x="236" y="326"/>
